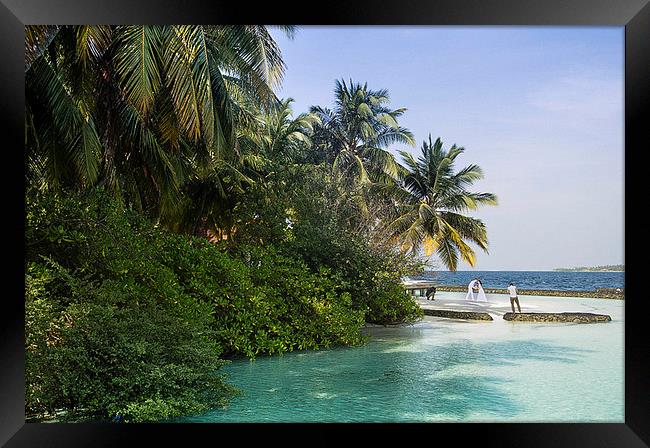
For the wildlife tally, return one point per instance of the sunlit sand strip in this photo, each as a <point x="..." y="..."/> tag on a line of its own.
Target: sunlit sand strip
<point x="499" y="304"/>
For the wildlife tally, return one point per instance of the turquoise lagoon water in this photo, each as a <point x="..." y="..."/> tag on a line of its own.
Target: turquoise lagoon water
<point x="441" y="370"/>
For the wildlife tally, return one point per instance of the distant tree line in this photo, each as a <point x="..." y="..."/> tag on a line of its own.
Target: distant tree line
<point x="606" y="268"/>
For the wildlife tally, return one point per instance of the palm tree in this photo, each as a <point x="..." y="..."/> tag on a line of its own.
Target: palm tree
<point x="279" y="137"/>
<point x="430" y="201"/>
<point x="354" y="136"/>
<point x="136" y="107"/>
<point x="210" y="193"/>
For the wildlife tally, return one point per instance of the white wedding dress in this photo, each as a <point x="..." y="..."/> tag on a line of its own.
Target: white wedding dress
<point x="478" y="296"/>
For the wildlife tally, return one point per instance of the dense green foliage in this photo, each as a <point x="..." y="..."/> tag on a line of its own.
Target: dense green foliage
<point x="314" y="221"/>
<point x="125" y="318"/>
<point x="109" y="332"/>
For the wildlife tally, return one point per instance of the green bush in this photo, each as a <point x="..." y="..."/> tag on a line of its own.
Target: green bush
<point x="325" y="232"/>
<point x="109" y="332"/>
<point x="263" y="301"/>
<point x="372" y="278"/>
<point x="94" y="358"/>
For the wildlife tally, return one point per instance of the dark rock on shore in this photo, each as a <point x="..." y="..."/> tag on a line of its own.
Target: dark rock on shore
<point x="599" y="293"/>
<point x="468" y="315"/>
<point x="581" y="318"/>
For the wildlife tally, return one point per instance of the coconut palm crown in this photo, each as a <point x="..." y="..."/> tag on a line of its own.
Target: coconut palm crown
<point x="282" y="136"/>
<point x="354" y="135"/>
<point x="131" y="107"/>
<point x="432" y="198"/>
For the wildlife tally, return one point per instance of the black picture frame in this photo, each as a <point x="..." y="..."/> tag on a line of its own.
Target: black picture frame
<point x="634" y="15"/>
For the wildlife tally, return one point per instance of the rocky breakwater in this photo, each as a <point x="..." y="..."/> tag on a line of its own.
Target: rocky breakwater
<point x="581" y="318"/>
<point x="450" y="314"/>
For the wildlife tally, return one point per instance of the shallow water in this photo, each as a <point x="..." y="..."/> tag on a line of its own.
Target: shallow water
<point x="445" y="370"/>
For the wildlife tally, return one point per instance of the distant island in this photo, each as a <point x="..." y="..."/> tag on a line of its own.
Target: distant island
<point x="608" y="268"/>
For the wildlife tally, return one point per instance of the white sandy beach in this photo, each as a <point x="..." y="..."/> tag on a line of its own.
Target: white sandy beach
<point x="499" y="304"/>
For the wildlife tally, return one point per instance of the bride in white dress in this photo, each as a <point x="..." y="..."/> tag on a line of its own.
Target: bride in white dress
<point x="475" y="291"/>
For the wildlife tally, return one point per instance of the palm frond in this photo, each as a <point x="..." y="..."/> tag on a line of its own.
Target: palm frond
<point x="137" y="64"/>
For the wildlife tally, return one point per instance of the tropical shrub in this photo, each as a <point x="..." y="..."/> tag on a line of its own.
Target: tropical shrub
<point x="263" y="301"/>
<point x="303" y="212"/>
<point x="109" y="332"/>
<point x="371" y="277"/>
<point x="97" y="360"/>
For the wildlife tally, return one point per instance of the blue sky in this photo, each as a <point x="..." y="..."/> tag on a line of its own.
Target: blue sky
<point x="540" y="109"/>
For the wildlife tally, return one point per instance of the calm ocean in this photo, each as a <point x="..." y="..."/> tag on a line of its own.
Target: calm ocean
<point x="552" y="280"/>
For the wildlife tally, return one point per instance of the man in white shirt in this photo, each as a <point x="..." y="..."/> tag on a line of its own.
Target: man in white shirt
<point x="513" y="297"/>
